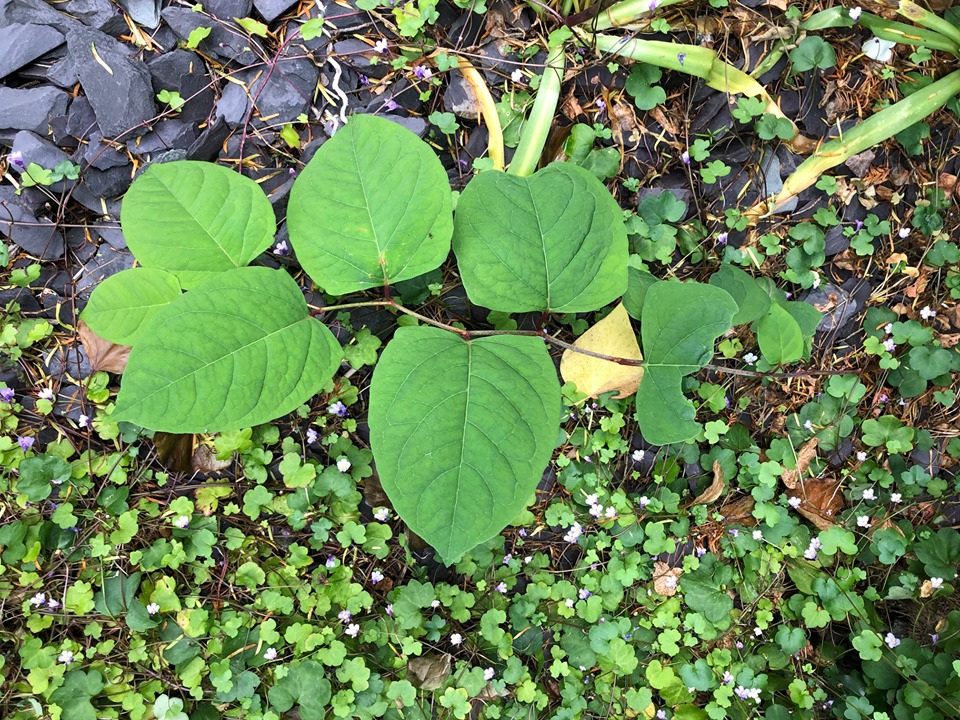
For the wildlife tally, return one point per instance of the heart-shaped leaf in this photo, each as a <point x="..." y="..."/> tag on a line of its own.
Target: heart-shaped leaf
<point x="681" y="321"/>
<point x="373" y="206"/>
<point x="461" y="431"/>
<point x="121" y="304"/>
<point x="195" y="218"/>
<point x="553" y="241"/>
<point x="214" y="360"/>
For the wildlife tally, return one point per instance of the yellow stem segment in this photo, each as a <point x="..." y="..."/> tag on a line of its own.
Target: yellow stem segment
<point x="488" y="109"/>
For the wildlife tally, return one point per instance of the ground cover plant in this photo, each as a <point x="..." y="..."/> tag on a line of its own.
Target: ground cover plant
<point x="568" y="409"/>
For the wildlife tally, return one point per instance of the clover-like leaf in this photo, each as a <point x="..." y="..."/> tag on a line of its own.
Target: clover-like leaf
<point x="554" y="241"/>
<point x="194" y="219"/>
<point x="214" y="360"/>
<point x="121" y="305"/>
<point x="306" y="686"/>
<point x="461" y="431"/>
<point x="373" y="206"/>
<point x="680" y="323"/>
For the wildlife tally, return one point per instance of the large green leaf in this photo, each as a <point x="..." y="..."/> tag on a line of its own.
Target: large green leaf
<point x="779" y="336"/>
<point x="752" y="300"/>
<point x="553" y="241"/>
<point x="121" y="305"/>
<point x="215" y="359"/>
<point x="680" y="322"/>
<point x="195" y="219"/>
<point x="461" y="431"/>
<point x="372" y="206"/>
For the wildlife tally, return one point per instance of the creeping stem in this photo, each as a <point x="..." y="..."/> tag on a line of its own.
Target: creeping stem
<point x="488" y="109"/>
<point x="537" y="127"/>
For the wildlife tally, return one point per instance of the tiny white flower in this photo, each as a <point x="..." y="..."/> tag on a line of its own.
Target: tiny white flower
<point x="868" y="494"/>
<point x="926" y="313"/>
<point x="936" y="583"/>
<point x="501" y="588"/>
<point x="182" y="521"/>
<point x="795" y="502"/>
<point x="489" y="674"/>
<point x="435" y="604"/>
<point x="344" y="615"/>
<point x="611" y="512"/>
<point x="153" y="609"/>
<point x="352" y="630"/>
<point x="382" y="514"/>
<point x="816" y="281"/>
<point x="889" y="345"/>
<point x="643" y="501"/>
<point x="66" y="657"/>
<point x="516" y="75"/>
<point x="591" y="499"/>
<point x="38" y="599"/>
<point x="808" y="425"/>
<point x="569" y="603"/>
<point x="879" y="50"/>
<point x="896" y="498"/>
<point x="888" y="328"/>
<point x="758" y="534"/>
<point x="891" y="640"/>
<point x="45" y="394"/>
<point x="381" y="46"/>
<point x="596" y="510"/>
<point x="456" y="639"/>
<point x="904" y="232"/>
<point x="53" y="604"/>
<point x="757" y="631"/>
<point x="270" y="654"/>
<point x="83" y="421"/>
<point x="855" y="13"/>
<point x="376" y="576"/>
<point x="861" y="456"/>
<point x="750" y="358"/>
<point x="638" y="455"/>
<point x="863" y="521"/>
<point x="343" y="465"/>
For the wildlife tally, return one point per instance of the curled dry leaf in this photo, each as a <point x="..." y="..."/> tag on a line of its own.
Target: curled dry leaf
<point x="820" y="501"/>
<point x="715" y="490"/>
<point x="205" y="460"/>
<point x="612" y="336"/>
<point x="103" y="354"/>
<point x="430" y="671"/>
<point x="665" y="578"/>
<point x="807" y="453"/>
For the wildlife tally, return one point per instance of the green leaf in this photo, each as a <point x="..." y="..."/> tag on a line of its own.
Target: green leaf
<point x="196" y="36"/>
<point x="121" y="305"/>
<point x="638" y="282"/>
<point x="931" y="361"/>
<point x="117" y="595"/>
<point x="753" y="302"/>
<point x="679" y="324"/>
<point x="373" y="206"/>
<point x="779" y="336"/>
<point x="791" y="639"/>
<point x="214" y="360"/>
<point x="812" y="52"/>
<point x="940" y="553"/>
<point x="703" y="590"/>
<point x="461" y="431"/>
<point x="254" y="27"/>
<point x="195" y="219"/>
<point x="553" y="241"/>
<point x="37" y="475"/>
<point x="74" y="695"/>
<point x="306" y="686"/>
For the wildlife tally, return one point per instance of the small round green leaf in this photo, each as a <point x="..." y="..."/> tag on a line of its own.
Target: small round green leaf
<point x="195" y="218"/>
<point x="372" y="206"/>
<point x="121" y="305"/>
<point x="214" y="360"/>
<point x="461" y="431"/>
<point x="554" y="241"/>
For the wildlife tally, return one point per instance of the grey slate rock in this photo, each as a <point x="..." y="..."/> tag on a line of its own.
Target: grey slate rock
<point x="288" y="92"/>
<point x="143" y="12"/>
<point x="184" y="71"/>
<point x="222" y="42"/>
<point x="270" y="10"/>
<point x="63" y="73"/>
<point x="31" y="108"/>
<point x="72" y="361"/>
<point x="23" y="43"/>
<point x="839" y="306"/>
<point x="110" y="233"/>
<point x="416" y="125"/>
<point x="207" y="146"/>
<point x="106" y="184"/>
<point x="108" y="261"/>
<point x="99" y="14"/>
<point x="166" y="135"/>
<point x="35" y="149"/>
<point x="102" y="155"/>
<point x="81" y="121"/>
<point x="233" y="105"/>
<point x="121" y="101"/>
<point x="38" y="237"/>
<point x="228" y="9"/>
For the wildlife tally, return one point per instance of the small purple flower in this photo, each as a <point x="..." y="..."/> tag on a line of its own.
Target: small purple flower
<point x="858" y="225"/>
<point x="390" y="105"/>
<point x="281" y="248"/>
<point x="390" y="609"/>
<point x="653" y="5"/>
<point x="422" y="72"/>
<point x="25" y="442"/>
<point x="311" y="436"/>
<point x="338" y="409"/>
<point x="681" y="57"/>
<point x="722" y="238"/>
<point x="884" y="397"/>
<point x="855" y="13"/>
<point x="364" y="80"/>
<point x="16" y="159"/>
<point x="501" y="588"/>
<point x="7" y="395"/>
<point x="685" y="156"/>
<point x="601" y="105"/>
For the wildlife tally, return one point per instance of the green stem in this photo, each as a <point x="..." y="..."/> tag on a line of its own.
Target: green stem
<point x="535" y="130"/>
<point x="629" y="11"/>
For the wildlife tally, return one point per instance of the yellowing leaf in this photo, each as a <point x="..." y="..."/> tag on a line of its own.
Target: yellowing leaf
<point x="611" y="336"/>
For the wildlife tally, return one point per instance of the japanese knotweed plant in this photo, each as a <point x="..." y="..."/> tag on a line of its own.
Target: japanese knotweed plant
<point x="462" y="423"/>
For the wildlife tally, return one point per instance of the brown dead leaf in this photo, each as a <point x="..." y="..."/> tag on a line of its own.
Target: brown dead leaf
<point x="948" y="341"/>
<point x="820" y="501"/>
<point x="665" y="578"/>
<point x="807" y="453"/>
<point x="947" y="183"/>
<point x="103" y="354"/>
<point x="175" y="451"/>
<point x="612" y="336"/>
<point x="205" y="460"/>
<point x="430" y="671"/>
<point x="666" y="123"/>
<point x="715" y="490"/>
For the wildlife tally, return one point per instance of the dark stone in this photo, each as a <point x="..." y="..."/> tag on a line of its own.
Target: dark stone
<point x="80" y="120"/>
<point x="416" y="125"/>
<point x="207" y="146"/>
<point x="83" y="246"/>
<point x="112" y="234"/>
<point x="223" y="42"/>
<point x="70" y="403"/>
<point x="228" y="9"/>
<point x="38" y="237"/>
<point x="459" y="98"/>
<point x="63" y="73"/>
<point x="287" y="92"/>
<point x="184" y="71"/>
<point x="69" y="361"/>
<point x="84" y="193"/>
<point x="233" y="105"/>
<point x="28" y="305"/>
<point x="108" y="261"/>
<point x="345" y="18"/>
<point x="270" y="10"/>
<point x="143" y="12"/>
<point x="35" y="149"/>
<point x="499" y="61"/>
<point x="99" y="14"/>
<point x="102" y="155"/>
<point x="110" y="183"/>
<point x="166" y="135"/>
<point x="838" y="306"/>
<point x="31" y="108"/>
<point x="23" y="43"/>
<point x="130" y="82"/>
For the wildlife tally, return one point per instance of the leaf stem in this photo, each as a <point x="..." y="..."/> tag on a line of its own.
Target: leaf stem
<point x="535" y="131"/>
<point x="488" y="109"/>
